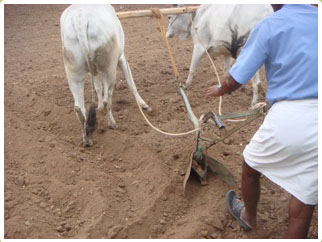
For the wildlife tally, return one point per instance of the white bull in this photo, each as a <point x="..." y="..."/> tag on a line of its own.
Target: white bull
<point x="93" y="42"/>
<point x="222" y="30"/>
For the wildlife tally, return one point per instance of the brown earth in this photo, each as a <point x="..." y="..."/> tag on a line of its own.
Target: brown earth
<point x="129" y="184"/>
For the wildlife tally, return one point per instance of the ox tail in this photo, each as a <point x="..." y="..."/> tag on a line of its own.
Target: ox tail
<point x="80" y="23"/>
<point x="236" y="41"/>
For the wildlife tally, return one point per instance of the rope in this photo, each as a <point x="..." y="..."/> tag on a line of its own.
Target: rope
<point x="146" y="119"/>
<point x="216" y="72"/>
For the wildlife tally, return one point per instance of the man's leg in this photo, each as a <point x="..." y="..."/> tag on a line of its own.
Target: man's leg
<point x="300" y="216"/>
<point x="251" y="194"/>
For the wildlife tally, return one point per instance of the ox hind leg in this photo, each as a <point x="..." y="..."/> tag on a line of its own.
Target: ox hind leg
<point x="109" y="79"/>
<point x="198" y="52"/>
<point x="76" y="85"/>
<point x="255" y="83"/>
<point x="123" y="64"/>
<point x="99" y="91"/>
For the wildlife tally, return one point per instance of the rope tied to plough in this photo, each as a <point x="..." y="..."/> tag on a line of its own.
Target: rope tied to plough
<point x="151" y="125"/>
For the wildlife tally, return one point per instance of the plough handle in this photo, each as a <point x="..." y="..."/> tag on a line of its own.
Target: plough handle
<point x="218" y="121"/>
<point x="215" y="118"/>
<point x="191" y="115"/>
<point x="246" y="113"/>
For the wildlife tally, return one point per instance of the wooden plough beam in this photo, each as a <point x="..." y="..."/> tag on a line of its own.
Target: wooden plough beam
<point x="159" y="13"/>
<point x="150" y="13"/>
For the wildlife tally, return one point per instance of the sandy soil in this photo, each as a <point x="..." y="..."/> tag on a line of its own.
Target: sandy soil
<point x="129" y="184"/>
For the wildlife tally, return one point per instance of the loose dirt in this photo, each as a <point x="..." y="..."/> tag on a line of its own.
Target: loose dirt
<point x="129" y="184"/>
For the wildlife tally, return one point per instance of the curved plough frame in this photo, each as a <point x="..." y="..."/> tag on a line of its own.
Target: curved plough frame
<point x="199" y="162"/>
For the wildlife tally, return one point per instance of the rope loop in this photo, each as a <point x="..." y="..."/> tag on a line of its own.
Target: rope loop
<point x="156" y="12"/>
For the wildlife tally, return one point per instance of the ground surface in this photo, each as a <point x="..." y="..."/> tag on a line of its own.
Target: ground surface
<point x="129" y="184"/>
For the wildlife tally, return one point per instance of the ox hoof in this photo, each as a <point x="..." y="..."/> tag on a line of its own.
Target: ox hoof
<point x="148" y="109"/>
<point x="112" y="126"/>
<point x="186" y="87"/>
<point x="87" y="144"/>
<point x="100" y="107"/>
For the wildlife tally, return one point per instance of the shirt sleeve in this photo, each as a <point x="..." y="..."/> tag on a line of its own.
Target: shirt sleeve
<point x="252" y="56"/>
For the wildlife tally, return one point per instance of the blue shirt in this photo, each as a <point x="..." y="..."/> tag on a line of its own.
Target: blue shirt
<point x="287" y="43"/>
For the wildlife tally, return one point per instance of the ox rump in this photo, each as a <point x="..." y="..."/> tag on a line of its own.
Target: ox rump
<point x="93" y="42"/>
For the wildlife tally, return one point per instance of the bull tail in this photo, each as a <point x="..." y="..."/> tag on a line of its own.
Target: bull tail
<point x="236" y="41"/>
<point x="80" y="23"/>
<point x="91" y="120"/>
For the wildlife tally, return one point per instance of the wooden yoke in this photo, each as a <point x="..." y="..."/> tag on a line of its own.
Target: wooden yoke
<point x="149" y="12"/>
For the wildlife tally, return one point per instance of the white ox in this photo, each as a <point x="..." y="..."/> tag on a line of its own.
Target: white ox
<point x="93" y="42"/>
<point x="222" y="30"/>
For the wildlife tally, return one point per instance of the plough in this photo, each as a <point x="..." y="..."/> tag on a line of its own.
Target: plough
<point x="200" y="163"/>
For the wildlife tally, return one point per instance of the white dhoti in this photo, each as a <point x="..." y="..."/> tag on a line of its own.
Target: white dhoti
<point x="285" y="148"/>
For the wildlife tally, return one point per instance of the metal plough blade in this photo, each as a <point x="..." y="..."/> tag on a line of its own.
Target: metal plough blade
<point x="214" y="166"/>
<point x="220" y="170"/>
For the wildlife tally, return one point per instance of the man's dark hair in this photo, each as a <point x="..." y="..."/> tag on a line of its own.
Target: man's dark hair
<point x="277" y="7"/>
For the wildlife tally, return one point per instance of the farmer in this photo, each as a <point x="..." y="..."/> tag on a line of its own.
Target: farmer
<point x="285" y="148"/>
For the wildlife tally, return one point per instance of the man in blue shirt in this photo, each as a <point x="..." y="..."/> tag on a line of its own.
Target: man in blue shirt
<point x="285" y="148"/>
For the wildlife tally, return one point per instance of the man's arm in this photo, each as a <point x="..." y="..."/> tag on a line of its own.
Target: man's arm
<point x="228" y="86"/>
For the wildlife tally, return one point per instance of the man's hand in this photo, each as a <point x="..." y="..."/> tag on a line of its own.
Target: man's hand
<point x="213" y="91"/>
<point x="229" y="85"/>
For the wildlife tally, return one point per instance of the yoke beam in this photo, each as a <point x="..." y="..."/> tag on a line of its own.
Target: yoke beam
<point x="150" y="13"/>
